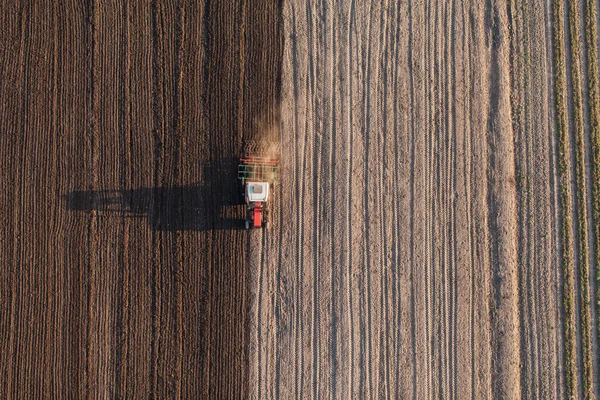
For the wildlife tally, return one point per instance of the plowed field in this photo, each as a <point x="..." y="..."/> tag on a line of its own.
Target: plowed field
<point x="436" y="233"/>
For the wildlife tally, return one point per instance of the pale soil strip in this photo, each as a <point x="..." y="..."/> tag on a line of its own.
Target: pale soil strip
<point x="505" y="322"/>
<point x="412" y="43"/>
<point x="356" y="96"/>
<point x="554" y="226"/>
<point x="435" y="317"/>
<point x="304" y="215"/>
<point x="389" y="327"/>
<point x="255" y="284"/>
<point x="418" y="225"/>
<point x="479" y="104"/>
<point x="343" y="350"/>
<point x="322" y="220"/>
<point x="403" y="121"/>
<point x="428" y="201"/>
<point x="457" y="261"/>
<point x="288" y="306"/>
<point x="349" y="259"/>
<point x="299" y="222"/>
<point x="439" y="220"/>
<point x="463" y="368"/>
<point x="358" y="202"/>
<point x="297" y="188"/>
<point x="311" y="190"/>
<point x="382" y="303"/>
<point x="536" y="220"/>
<point x="331" y="263"/>
<point x="448" y="229"/>
<point x="323" y="161"/>
<point x="292" y="133"/>
<point x="267" y="324"/>
<point x="520" y="112"/>
<point x="314" y="192"/>
<point x="555" y="242"/>
<point x="538" y="295"/>
<point x="544" y="252"/>
<point x="369" y="131"/>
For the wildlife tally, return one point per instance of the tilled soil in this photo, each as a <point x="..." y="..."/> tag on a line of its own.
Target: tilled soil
<point x="417" y="246"/>
<point x="123" y="264"/>
<point x="424" y="260"/>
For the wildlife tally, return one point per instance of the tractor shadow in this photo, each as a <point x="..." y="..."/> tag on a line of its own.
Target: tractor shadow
<point x="218" y="206"/>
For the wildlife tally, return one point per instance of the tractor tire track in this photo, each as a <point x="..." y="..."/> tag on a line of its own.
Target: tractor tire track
<point x="558" y="284"/>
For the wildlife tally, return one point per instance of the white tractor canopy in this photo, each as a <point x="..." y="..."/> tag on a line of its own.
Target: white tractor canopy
<point x="257" y="192"/>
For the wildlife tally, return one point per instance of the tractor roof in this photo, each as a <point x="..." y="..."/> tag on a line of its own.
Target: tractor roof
<point x="257" y="191"/>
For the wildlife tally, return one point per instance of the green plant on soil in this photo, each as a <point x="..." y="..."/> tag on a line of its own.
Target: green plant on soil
<point x="564" y="195"/>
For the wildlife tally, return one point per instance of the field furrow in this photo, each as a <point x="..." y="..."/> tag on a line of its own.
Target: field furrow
<point x="435" y="232"/>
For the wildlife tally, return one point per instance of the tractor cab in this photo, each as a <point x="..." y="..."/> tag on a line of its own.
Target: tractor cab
<point x="257" y="192"/>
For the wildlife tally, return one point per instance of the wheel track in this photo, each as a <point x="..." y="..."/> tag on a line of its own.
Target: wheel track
<point x="412" y="200"/>
<point x="544" y="287"/>
<point x="333" y="353"/>
<point x="350" y="145"/>
<point x="440" y="221"/>
<point x="554" y="191"/>
<point x="297" y="170"/>
<point x="538" y="202"/>
<point x="396" y="213"/>
<point x="452" y="165"/>
<point x="449" y="232"/>
<point x="521" y="50"/>
<point x="366" y="120"/>
<point x="259" y="304"/>
<point x="430" y="159"/>
<point x="478" y="102"/>
<point x="300" y="148"/>
<point x="312" y="72"/>
<point x="385" y="257"/>
<point x="467" y="185"/>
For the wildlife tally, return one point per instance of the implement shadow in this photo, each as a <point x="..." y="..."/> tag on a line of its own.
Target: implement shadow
<point x="171" y="208"/>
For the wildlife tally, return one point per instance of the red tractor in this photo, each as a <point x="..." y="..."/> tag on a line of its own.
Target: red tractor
<point x="259" y="172"/>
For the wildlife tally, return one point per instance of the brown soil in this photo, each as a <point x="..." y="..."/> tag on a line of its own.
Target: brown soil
<point x="414" y="247"/>
<point x="123" y="265"/>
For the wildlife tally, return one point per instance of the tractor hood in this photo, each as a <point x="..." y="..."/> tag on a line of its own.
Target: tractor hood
<point x="257" y="192"/>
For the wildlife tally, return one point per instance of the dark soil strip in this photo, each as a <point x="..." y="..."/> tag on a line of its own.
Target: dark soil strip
<point x="121" y="128"/>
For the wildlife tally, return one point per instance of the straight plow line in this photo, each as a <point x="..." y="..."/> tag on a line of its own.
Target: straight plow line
<point x="566" y="259"/>
<point x="593" y="98"/>
<point x="580" y="200"/>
